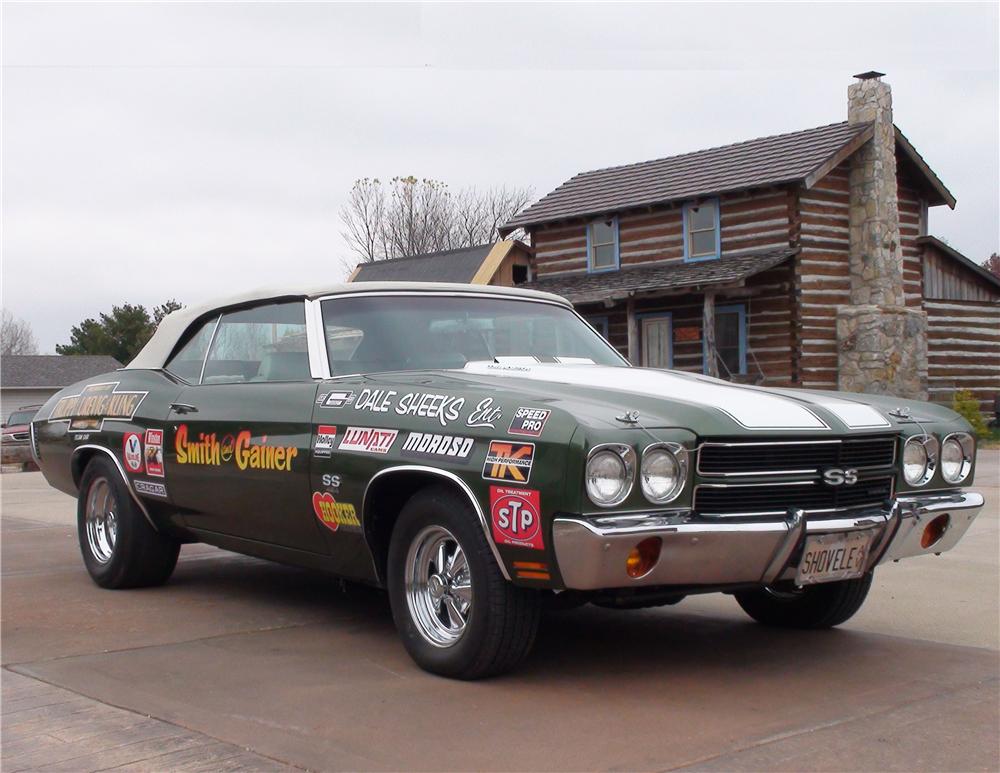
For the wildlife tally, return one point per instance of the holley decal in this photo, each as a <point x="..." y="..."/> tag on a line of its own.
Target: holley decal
<point x="516" y="517"/>
<point x="132" y="451"/>
<point x="333" y="514"/>
<point x="154" y="452"/>
<point x="326" y="436"/>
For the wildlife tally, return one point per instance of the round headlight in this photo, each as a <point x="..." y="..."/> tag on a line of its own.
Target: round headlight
<point x="663" y="472"/>
<point x="609" y="474"/>
<point x="919" y="459"/>
<point x="956" y="457"/>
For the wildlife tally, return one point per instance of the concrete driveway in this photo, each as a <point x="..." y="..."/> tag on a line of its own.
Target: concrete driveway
<point x="241" y="664"/>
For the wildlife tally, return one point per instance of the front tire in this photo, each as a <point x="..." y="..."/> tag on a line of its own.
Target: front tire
<point x="815" y="606"/>
<point x="120" y="547"/>
<point x="455" y="612"/>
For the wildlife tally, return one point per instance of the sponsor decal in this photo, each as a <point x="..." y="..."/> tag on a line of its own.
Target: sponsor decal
<point x="247" y="453"/>
<point x="326" y="436"/>
<point x="508" y="462"/>
<point x="331" y="480"/>
<point x="132" y="451"/>
<point x="150" y="488"/>
<point x="427" y="445"/>
<point x="154" y="452"/>
<point x="443" y="408"/>
<point x="484" y="415"/>
<point x="516" y="517"/>
<point x="529" y="421"/>
<point x="333" y="514"/>
<point x="96" y="403"/>
<point x="368" y="440"/>
<point x="336" y="399"/>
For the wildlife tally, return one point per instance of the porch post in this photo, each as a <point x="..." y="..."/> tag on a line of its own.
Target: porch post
<point x="708" y="331"/>
<point x="633" y="332"/>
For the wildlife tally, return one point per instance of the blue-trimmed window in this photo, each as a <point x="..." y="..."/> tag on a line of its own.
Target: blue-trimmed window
<point x="730" y="340"/>
<point x="701" y="230"/>
<point x="602" y="246"/>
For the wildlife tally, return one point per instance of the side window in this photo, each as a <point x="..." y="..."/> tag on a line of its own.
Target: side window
<point x="701" y="230"/>
<point x="187" y="362"/>
<point x="264" y="343"/>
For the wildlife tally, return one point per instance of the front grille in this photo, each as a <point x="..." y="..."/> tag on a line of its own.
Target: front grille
<point x="795" y="456"/>
<point x="777" y="498"/>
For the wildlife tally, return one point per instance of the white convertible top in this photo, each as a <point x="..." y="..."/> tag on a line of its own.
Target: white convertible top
<point x="155" y="353"/>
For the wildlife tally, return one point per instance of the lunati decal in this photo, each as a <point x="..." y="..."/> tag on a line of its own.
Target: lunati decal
<point x="96" y="403"/>
<point x="333" y="514"/>
<point x="242" y="450"/>
<point x="368" y="440"/>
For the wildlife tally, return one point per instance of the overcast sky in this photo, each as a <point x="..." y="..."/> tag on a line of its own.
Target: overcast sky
<point x="186" y="150"/>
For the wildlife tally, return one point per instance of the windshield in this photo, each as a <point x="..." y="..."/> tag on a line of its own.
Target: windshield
<point x="21" y="417"/>
<point x="387" y="333"/>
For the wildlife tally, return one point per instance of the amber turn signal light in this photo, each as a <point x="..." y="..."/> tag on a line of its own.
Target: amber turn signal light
<point x="643" y="557"/>
<point x="935" y="530"/>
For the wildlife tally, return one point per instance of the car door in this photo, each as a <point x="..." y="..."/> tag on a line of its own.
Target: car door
<point x="237" y="455"/>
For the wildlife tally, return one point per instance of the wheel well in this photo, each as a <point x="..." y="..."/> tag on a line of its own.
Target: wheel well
<point x="79" y="463"/>
<point x="384" y="500"/>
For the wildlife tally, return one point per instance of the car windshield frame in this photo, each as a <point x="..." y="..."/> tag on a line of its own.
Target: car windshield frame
<point x="318" y="330"/>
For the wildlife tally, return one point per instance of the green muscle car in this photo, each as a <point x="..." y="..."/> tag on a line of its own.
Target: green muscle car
<point x="483" y="452"/>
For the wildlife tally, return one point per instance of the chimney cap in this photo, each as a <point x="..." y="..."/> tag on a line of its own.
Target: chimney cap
<point x="867" y="76"/>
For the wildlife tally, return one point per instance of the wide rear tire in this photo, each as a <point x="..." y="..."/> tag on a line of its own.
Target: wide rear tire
<point x="815" y="606"/>
<point x="461" y="619"/>
<point x="120" y="547"/>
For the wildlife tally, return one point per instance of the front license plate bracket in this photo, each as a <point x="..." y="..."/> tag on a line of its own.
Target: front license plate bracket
<point x="834" y="557"/>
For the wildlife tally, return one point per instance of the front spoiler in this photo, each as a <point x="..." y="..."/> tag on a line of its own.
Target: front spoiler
<point x="591" y="552"/>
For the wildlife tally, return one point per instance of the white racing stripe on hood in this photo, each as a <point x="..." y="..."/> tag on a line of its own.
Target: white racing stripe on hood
<point x="750" y="408"/>
<point x="854" y="415"/>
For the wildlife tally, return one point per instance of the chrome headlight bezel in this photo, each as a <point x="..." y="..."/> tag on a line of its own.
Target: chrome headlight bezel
<point x="929" y="446"/>
<point x="967" y="445"/>
<point x="625" y="455"/>
<point x="680" y="456"/>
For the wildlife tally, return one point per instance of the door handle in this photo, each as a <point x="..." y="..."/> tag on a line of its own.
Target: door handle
<point x="183" y="408"/>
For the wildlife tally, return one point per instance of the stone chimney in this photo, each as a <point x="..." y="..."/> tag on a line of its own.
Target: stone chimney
<point x="882" y="343"/>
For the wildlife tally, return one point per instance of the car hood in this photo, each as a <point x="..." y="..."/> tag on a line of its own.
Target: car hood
<point x="597" y="395"/>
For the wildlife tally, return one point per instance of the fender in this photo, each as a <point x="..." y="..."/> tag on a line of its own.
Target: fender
<point x="121" y="471"/>
<point x="450" y="476"/>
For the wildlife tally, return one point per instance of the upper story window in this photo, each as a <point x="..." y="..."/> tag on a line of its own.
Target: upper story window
<point x="701" y="230"/>
<point x="602" y="245"/>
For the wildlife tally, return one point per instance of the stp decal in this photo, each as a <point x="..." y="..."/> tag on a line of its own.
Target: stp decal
<point x="326" y="436"/>
<point x="529" y="421"/>
<point x="516" y="517"/>
<point x="132" y="451"/>
<point x="508" y="462"/>
<point x="368" y="440"/>
<point x="154" y="452"/>
<point x="333" y="514"/>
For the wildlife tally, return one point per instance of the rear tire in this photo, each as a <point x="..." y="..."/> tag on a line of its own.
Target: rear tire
<point x="463" y="619"/>
<point x="120" y="547"/>
<point x="815" y="606"/>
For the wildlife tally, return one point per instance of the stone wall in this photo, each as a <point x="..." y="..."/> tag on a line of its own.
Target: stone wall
<point x="883" y="350"/>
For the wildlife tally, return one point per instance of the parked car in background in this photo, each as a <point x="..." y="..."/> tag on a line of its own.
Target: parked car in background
<point x="15" y="445"/>
<point x="479" y="451"/>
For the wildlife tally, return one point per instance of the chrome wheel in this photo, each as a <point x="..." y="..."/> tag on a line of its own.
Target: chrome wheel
<point x="438" y="586"/>
<point x="101" y="520"/>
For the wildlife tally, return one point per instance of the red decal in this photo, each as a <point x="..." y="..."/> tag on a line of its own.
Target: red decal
<point x="334" y="514"/>
<point x="154" y="452"/>
<point x="516" y="517"/>
<point x="132" y="451"/>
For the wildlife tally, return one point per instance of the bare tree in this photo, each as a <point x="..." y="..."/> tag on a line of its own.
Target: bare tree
<point x="992" y="264"/>
<point x="16" y="335"/>
<point x="411" y="216"/>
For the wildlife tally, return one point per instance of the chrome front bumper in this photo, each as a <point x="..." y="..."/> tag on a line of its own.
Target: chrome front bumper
<point x="591" y="552"/>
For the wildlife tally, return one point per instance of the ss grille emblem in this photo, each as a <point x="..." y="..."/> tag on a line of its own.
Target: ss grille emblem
<point x="838" y="477"/>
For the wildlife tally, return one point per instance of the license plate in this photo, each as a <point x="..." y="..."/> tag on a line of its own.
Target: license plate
<point x="832" y="557"/>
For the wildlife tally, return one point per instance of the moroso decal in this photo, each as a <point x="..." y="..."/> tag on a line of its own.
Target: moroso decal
<point x="368" y="440"/>
<point x="516" y="517"/>
<point x="529" y="421"/>
<point x="150" y="488"/>
<point x="326" y="436"/>
<point x="132" y="451"/>
<point x="247" y="454"/>
<point x="96" y="403"/>
<point x="508" y="462"/>
<point x="333" y="514"/>
<point x="154" y="452"/>
<point x="337" y="399"/>
<point x="429" y="446"/>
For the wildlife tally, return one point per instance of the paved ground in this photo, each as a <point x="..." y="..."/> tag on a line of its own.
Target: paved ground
<point x="241" y="664"/>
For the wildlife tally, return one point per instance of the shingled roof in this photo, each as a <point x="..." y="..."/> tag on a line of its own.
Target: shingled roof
<point x="26" y="371"/>
<point x="458" y="265"/>
<point x="799" y="157"/>
<point x="727" y="270"/>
